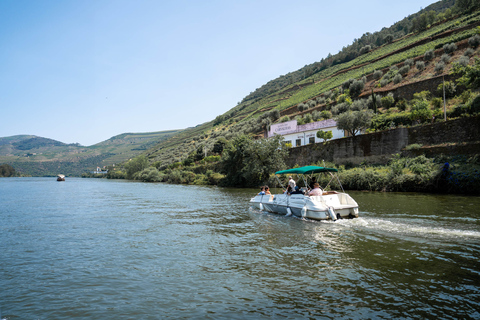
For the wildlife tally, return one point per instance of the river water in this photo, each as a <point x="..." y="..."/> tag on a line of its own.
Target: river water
<point x="101" y="249"/>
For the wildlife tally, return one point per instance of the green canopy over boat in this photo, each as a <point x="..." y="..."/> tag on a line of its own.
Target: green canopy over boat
<point x="306" y="170"/>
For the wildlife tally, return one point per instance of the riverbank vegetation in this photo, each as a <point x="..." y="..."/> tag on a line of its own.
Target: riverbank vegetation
<point x="249" y="163"/>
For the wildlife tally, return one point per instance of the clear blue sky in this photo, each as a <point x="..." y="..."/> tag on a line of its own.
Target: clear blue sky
<point x="86" y="70"/>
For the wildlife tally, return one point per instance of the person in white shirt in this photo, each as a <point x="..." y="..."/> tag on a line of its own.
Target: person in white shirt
<point x="291" y="183"/>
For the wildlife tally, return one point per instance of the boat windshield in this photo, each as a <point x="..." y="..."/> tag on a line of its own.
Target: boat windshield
<point x="310" y="171"/>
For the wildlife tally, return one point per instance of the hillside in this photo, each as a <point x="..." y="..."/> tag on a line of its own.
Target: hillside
<point x="378" y="60"/>
<point x="40" y="156"/>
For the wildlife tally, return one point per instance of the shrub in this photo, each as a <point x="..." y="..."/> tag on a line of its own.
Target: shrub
<point x="469" y="52"/>
<point x="387" y="101"/>
<point x="359" y="105"/>
<point x="413" y="146"/>
<point x="356" y="88"/>
<point x="383" y="82"/>
<point x="450" y="89"/>
<point x="404" y="70"/>
<point x="437" y="103"/>
<point x="285" y="119"/>
<point x="474" y="41"/>
<point x="397" y="79"/>
<point x="326" y="114"/>
<point x="474" y="107"/>
<point x="393" y="69"/>
<point x="439" y="67"/>
<point x="401" y="104"/>
<point x="340" y="108"/>
<point x="301" y="107"/>
<point x="377" y="74"/>
<point x="320" y="100"/>
<point x="423" y="95"/>
<point x="420" y="65"/>
<point x="445" y="58"/>
<point x="342" y="98"/>
<point x="421" y="111"/>
<point x="299" y="120"/>
<point x="365" y="49"/>
<point x="429" y="55"/>
<point x="149" y="174"/>
<point x="408" y="62"/>
<point x="466" y="96"/>
<point x="307" y="118"/>
<point x="346" y="84"/>
<point x="463" y="61"/>
<point x="388" y="38"/>
<point x="449" y="47"/>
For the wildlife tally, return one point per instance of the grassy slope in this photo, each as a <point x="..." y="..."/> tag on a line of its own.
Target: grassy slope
<point x="410" y="46"/>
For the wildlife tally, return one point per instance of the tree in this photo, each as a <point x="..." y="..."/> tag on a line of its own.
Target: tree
<point x="354" y="121"/>
<point x="219" y="145"/>
<point x="7" y="170"/>
<point x="135" y="165"/>
<point x="325" y="135"/>
<point x="356" y="88"/>
<point x="470" y="75"/>
<point x="467" y="5"/>
<point x="421" y="111"/>
<point x="249" y="163"/>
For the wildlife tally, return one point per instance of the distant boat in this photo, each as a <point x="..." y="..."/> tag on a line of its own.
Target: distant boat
<point x="60" y="177"/>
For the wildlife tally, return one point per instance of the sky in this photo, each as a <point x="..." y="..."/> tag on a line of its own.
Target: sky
<point x="83" y="71"/>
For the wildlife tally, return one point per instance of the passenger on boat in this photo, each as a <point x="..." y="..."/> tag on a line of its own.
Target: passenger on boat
<point x="316" y="190"/>
<point x="267" y="190"/>
<point x="262" y="192"/>
<point x="288" y="191"/>
<point x="297" y="191"/>
<point x="291" y="183"/>
<point x="312" y="182"/>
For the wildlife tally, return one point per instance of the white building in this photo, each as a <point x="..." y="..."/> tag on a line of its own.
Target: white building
<point x="300" y="135"/>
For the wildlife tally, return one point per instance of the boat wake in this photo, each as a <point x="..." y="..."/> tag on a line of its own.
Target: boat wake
<point x="405" y="228"/>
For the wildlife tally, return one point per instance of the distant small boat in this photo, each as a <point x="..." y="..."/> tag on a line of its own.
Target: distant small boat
<point x="60" y="177"/>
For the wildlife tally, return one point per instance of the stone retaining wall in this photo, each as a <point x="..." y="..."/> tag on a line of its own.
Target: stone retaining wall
<point x="460" y="136"/>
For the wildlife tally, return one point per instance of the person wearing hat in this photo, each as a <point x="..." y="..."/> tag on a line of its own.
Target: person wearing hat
<point x="316" y="190"/>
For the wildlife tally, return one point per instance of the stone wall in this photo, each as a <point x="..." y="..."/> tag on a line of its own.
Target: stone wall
<point x="460" y="136"/>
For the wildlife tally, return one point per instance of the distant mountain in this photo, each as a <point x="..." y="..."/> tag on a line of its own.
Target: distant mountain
<point x="38" y="156"/>
<point x="36" y="143"/>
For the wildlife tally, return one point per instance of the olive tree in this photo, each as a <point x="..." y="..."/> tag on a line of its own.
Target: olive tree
<point x="355" y="119"/>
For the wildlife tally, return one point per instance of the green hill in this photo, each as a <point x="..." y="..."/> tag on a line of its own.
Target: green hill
<point x="37" y="156"/>
<point x="377" y="59"/>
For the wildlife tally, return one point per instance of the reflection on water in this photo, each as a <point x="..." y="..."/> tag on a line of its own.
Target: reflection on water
<point x="92" y="248"/>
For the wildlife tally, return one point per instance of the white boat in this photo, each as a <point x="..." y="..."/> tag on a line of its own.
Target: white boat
<point x="331" y="205"/>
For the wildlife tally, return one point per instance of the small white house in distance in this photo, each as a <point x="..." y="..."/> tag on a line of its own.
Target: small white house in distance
<point x="300" y="135"/>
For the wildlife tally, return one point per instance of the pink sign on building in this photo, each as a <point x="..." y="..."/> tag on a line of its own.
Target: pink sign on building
<point x="291" y="127"/>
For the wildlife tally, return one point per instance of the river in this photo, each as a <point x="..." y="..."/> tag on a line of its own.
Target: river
<point x="102" y="249"/>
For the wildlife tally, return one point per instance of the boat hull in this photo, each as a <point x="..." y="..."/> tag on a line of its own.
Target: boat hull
<point x="330" y="206"/>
